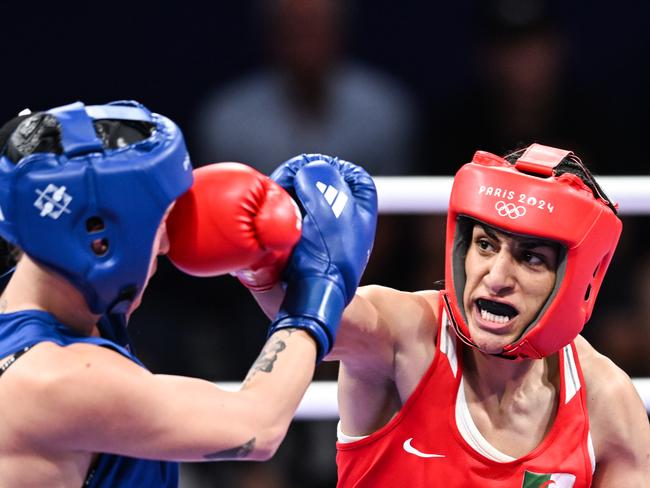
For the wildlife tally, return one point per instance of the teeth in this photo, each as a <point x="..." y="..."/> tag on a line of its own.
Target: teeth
<point x="499" y="319"/>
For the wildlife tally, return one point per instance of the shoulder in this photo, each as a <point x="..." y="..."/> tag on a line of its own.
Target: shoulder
<point x="52" y="389"/>
<point x="603" y="377"/>
<point x="383" y="324"/>
<point x="49" y="368"/>
<point x="403" y="314"/>
<point x="383" y="295"/>
<point x="604" y="380"/>
<point x="618" y="420"/>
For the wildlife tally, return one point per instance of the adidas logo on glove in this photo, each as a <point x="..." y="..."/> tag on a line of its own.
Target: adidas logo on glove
<point x="336" y="200"/>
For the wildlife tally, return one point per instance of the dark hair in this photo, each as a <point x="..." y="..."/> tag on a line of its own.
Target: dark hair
<point x="9" y="256"/>
<point x="571" y="164"/>
<point x="41" y="132"/>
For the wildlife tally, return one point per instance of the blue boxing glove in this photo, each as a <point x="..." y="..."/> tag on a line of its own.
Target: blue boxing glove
<point x="339" y="204"/>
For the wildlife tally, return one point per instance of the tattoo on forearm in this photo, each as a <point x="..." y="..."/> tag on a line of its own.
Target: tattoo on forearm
<point x="266" y="360"/>
<point x="235" y="453"/>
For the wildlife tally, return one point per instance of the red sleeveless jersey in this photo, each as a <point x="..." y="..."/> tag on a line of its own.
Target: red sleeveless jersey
<point x="426" y="444"/>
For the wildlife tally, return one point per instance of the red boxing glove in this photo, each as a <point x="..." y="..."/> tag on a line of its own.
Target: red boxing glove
<point x="234" y="220"/>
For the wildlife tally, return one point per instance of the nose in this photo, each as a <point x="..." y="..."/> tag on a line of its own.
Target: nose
<point x="500" y="277"/>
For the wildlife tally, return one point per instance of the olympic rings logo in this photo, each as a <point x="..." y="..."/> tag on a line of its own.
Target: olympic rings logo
<point x="509" y="210"/>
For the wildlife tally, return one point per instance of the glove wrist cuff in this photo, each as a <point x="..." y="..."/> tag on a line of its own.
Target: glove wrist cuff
<point x="316" y="305"/>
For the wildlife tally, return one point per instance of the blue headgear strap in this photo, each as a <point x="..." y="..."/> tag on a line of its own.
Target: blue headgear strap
<point x="77" y="131"/>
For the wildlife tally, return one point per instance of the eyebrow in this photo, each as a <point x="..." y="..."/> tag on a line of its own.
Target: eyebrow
<point x="524" y="242"/>
<point x="489" y="232"/>
<point x="533" y="243"/>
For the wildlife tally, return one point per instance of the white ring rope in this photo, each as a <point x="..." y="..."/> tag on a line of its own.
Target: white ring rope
<point x="320" y="403"/>
<point x="430" y="194"/>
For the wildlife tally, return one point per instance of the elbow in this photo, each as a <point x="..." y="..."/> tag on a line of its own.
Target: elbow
<point x="268" y="442"/>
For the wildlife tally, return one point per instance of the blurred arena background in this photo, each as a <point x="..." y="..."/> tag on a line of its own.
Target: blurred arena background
<point x="403" y="88"/>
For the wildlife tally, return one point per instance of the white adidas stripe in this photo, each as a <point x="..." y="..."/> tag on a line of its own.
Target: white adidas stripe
<point x="330" y="194"/>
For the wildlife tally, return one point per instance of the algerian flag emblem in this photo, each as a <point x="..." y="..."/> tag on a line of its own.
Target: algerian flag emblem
<point x="551" y="480"/>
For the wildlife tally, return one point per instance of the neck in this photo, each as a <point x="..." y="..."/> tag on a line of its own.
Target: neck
<point x="33" y="287"/>
<point x="491" y="375"/>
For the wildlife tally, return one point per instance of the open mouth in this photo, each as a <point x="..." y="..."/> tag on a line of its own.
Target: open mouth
<point x="496" y="312"/>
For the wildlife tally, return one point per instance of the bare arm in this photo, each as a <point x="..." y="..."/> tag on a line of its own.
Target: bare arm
<point x="363" y="339"/>
<point x="371" y="323"/>
<point x="95" y="400"/>
<point x="618" y="421"/>
<point x="385" y="345"/>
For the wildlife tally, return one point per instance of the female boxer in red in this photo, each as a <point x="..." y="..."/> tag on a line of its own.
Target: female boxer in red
<point x="487" y="382"/>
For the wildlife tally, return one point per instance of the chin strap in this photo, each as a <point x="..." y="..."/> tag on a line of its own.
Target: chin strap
<point x="464" y="339"/>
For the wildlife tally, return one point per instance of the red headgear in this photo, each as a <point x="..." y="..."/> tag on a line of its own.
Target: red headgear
<point x="532" y="198"/>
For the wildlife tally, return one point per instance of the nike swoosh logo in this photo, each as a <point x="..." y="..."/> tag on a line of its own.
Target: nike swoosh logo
<point x="412" y="450"/>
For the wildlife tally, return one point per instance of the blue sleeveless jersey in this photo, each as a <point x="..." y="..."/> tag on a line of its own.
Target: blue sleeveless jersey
<point x="28" y="328"/>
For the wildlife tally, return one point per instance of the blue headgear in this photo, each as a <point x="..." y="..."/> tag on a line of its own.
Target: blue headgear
<point x="91" y="213"/>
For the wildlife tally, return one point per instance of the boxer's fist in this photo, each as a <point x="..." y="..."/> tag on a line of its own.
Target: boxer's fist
<point x="233" y="220"/>
<point x="339" y="204"/>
